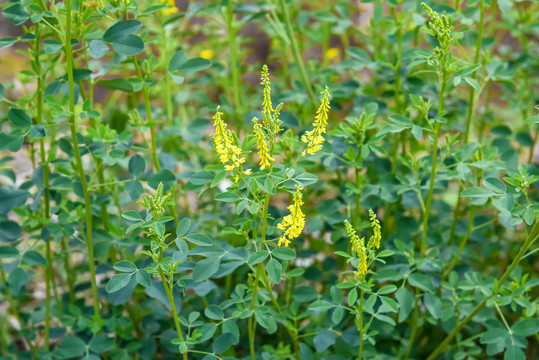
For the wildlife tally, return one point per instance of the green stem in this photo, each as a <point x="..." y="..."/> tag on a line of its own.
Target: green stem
<point x="170" y="296"/>
<point x="461" y="247"/>
<point x="296" y="53"/>
<point x="532" y="237"/>
<point x="78" y="160"/>
<point x="360" y="327"/>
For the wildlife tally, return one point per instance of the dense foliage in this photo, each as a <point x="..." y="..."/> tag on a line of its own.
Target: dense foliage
<point x="369" y="194"/>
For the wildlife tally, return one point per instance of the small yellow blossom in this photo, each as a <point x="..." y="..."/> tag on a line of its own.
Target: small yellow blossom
<point x="267" y="107"/>
<point x="248" y="172"/>
<point x="230" y="154"/>
<point x="265" y="158"/>
<point x="332" y="53"/>
<point x="171" y="9"/>
<point x="314" y="138"/>
<point x="206" y="54"/>
<point x="358" y="245"/>
<point x="294" y="223"/>
<point x="376" y="229"/>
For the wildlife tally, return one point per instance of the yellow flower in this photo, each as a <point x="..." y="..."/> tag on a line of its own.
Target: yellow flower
<point x="206" y="54"/>
<point x="332" y="53"/>
<point x="294" y="223"/>
<point x="314" y="138"/>
<point x="376" y="229"/>
<point x="265" y="158"/>
<point x="358" y="245"/>
<point x="267" y="107"/>
<point x="171" y="9"/>
<point x="247" y="172"/>
<point x="230" y="154"/>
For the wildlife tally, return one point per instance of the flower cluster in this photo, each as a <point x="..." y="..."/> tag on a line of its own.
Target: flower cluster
<point x="294" y="223"/>
<point x="265" y="159"/>
<point x="226" y="144"/>
<point x="376" y="229"/>
<point x="314" y="138"/>
<point x="358" y="245"/>
<point x="439" y="26"/>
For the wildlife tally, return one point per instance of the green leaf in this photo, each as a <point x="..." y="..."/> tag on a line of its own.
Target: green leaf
<point x="513" y="352"/>
<point x="117" y="84"/>
<point x="214" y="312"/>
<point x="121" y="30"/>
<point x="532" y="120"/>
<point x="165" y="176"/>
<point x="37" y="131"/>
<point x="4" y="43"/>
<point x="199" y="239"/>
<point x="494" y="335"/>
<point x="132" y="215"/>
<point x="274" y="270"/>
<point x="323" y="340"/>
<point x="223" y="343"/>
<point x="52" y="46"/>
<point x="8" y="251"/>
<point x="101" y="343"/>
<point x="12" y="143"/>
<point x="417" y="131"/>
<point x="421" y="281"/>
<point x="137" y="165"/>
<point x="495" y="185"/>
<point x="193" y="65"/>
<point x="320" y="305"/>
<point x="19" y="118"/>
<point x="16" y="14"/>
<point x="16" y="280"/>
<point x="98" y="48"/>
<point x="477" y="192"/>
<point x="177" y="60"/>
<point x="526" y="327"/>
<point x="284" y="253"/>
<point x="305" y="294"/>
<point x="406" y="302"/>
<point x="434" y="305"/>
<point x="33" y="257"/>
<point x="118" y="282"/>
<point x="72" y="346"/>
<point x="143" y="278"/>
<point x="128" y="46"/>
<point x="10" y="198"/>
<point x="258" y="257"/>
<point x="125" y="266"/>
<point x="183" y="227"/>
<point x="389" y="303"/>
<point x="227" y="197"/>
<point x="359" y="55"/>
<point x="386" y="289"/>
<point x="204" y="269"/>
<point x="473" y="83"/>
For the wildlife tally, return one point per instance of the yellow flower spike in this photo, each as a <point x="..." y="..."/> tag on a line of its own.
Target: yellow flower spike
<point x="358" y="245"/>
<point x="265" y="159"/>
<point x="206" y="54"/>
<point x="314" y="138"/>
<point x="294" y="223"/>
<point x="267" y="108"/>
<point x="224" y="145"/>
<point x="171" y="9"/>
<point x="376" y="229"/>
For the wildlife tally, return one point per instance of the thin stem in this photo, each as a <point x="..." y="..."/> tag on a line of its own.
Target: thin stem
<point x="170" y="296"/>
<point x="361" y="296"/>
<point x="78" y="160"/>
<point x="532" y="237"/>
<point x="295" y="51"/>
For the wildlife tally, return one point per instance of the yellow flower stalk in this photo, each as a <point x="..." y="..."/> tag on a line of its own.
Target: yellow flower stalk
<point x="358" y="245"/>
<point x="294" y="223"/>
<point x="376" y="229"/>
<point x="267" y="108"/>
<point x="265" y="159"/>
<point x="314" y="138"/>
<point x="230" y="154"/>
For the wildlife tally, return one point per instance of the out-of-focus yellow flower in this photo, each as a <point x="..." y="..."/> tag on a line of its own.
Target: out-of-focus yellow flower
<point x="376" y="229"/>
<point x="314" y="138"/>
<point x="229" y="153"/>
<point x="332" y="53"/>
<point x="263" y="152"/>
<point x="358" y="245"/>
<point x="248" y="172"/>
<point x="171" y="9"/>
<point x="206" y="54"/>
<point x="294" y="223"/>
